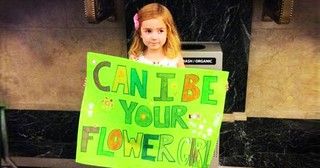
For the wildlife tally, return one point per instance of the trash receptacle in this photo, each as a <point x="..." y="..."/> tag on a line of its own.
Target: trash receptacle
<point x="205" y="55"/>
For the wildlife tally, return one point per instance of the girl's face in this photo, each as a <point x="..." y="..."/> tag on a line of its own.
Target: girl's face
<point x="154" y="33"/>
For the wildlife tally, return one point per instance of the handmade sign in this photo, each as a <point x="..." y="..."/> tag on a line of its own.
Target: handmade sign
<point x="138" y="115"/>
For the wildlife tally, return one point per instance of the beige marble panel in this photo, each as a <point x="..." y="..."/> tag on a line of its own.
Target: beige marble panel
<point x="45" y="68"/>
<point x="52" y="14"/>
<point x="43" y="48"/>
<point x="284" y="74"/>
<point x="284" y="65"/>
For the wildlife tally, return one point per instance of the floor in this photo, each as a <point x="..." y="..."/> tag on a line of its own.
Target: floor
<point x="25" y="162"/>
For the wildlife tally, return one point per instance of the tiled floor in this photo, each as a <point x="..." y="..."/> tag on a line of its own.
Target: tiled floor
<point x="52" y="163"/>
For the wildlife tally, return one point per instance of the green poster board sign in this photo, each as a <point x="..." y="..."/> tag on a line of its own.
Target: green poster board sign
<point x="138" y="115"/>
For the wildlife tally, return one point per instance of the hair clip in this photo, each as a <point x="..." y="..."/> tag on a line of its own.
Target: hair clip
<point x="136" y="21"/>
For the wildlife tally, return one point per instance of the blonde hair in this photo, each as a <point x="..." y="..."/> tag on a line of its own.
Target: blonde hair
<point x="154" y="10"/>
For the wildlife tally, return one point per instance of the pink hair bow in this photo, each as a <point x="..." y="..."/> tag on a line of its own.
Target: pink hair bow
<point x="136" y="21"/>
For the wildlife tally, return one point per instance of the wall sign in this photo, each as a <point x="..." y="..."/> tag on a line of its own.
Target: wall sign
<point x="199" y="61"/>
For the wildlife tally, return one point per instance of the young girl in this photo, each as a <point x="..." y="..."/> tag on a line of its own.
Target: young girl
<point x="156" y="39"/>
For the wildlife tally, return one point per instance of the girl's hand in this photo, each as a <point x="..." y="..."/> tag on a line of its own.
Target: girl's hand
<point x="84" y="82"/>
<point x="227" y="86"/>
<point x="181" y="63"/>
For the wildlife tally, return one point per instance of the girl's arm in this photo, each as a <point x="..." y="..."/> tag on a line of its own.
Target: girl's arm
<point x="180" y="62"/>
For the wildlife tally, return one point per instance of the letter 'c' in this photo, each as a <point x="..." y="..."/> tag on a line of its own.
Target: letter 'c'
<point x="96" y="75"/>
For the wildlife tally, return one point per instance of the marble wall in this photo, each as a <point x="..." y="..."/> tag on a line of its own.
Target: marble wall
<point x="283" y="94"/>
<point x="54" y="40"/>
<point x="271" y="143"/>
<point x="257" y="142"/>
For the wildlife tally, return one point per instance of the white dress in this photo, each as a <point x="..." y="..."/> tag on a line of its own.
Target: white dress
<point x="164" y="62"/>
